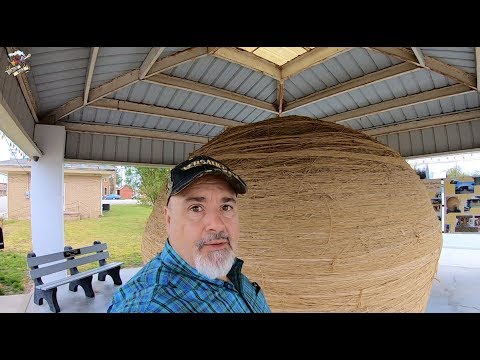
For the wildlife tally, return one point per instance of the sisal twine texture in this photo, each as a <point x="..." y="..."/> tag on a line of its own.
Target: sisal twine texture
<point x="333" y="220"/>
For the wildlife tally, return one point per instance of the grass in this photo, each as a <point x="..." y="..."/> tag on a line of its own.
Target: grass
<point x="12" y="273"/>
<point x="121" y="228"/>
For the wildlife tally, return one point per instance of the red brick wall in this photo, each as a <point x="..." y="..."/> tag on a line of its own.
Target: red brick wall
<point x="126" y="192"/>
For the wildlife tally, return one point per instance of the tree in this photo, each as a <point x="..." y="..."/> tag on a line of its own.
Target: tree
<point x="153" y="181"/>
<point x="456" y="172"/>
<point x="147" y="181"/>
<point x="132" y="178"/>
<point x="118" y="176"/>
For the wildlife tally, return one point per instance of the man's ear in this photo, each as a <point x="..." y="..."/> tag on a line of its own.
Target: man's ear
<point x="166" y="214"/>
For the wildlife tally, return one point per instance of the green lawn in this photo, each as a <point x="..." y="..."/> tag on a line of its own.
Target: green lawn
<point x="121" y="228"/>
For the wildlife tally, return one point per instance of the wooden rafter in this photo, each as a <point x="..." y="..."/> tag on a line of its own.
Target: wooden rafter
<point x="184" y="84"/>
<point x="152" y="56"/>
<point x="353" y="84"/>
<point x="426" y="122"/>
<point x="130" y="131"/>
<point x="419" y="55"/>
<point x="119" y="105"/>
<point x="120" y="82"/>
<point x="309" y="59"/>
<point x="178" y="59"/>
<point x="12" y="126"/>
<point x="280" y="95"/>
<point x="408" y="100"/>
<point x="100" y="91"/>
<point x="249" y="60"/>
<point x="26" y="90"/>
<point x="432" y="64"/>
<point x="91" y="67"/>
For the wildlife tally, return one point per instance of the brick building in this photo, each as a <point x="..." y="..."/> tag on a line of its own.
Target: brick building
<point x="126" y="192"/>
<point x="109" y="185"/>
<point x="83" y="188"/>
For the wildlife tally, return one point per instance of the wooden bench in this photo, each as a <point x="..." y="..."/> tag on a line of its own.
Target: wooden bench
<point x="70" y="259"/>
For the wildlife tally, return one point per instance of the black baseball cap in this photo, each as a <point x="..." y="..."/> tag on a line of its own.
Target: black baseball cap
<point x="190" y="170"/>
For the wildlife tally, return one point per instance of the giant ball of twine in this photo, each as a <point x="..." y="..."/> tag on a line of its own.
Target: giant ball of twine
<point x="333" y="220"/>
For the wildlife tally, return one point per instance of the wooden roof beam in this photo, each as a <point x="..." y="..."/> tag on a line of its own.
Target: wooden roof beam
<point x="184" y="84"/>
<point x="112" y="104"/>
<point x="309" y="59"/>
<point x="26" y="90"/>
<point x="280" y="96"/>
<point x="130" y="131"/>
<point x="425" y="122"/>
<point x="122" y="81"/>
<point x="249" y="60"/>
<point x="178" y="59"/>
<point x="408" y="100"/>
<point x="419" y="55"/>
<point x="432" y="64"/>
<point x="91" y="67"/>
<point x="353" y="84"/>
<point x="151" y="58"/>
<point x="100" y="91"/>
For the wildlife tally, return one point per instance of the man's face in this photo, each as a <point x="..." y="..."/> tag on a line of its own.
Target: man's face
<point x="202" y="225"/>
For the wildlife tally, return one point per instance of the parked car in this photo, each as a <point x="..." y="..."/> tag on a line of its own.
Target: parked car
<point x="461" y="186"/>
<point x="111" y="197"/>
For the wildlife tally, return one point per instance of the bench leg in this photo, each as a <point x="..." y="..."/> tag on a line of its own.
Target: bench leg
<point x="114" y="274"/>
<point x="85" y="283"/>
<point x="50" y="296"/>
<point x="38" y="297"/>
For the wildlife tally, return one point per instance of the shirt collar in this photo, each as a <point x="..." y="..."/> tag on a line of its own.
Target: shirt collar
<point x="174" y="261"/>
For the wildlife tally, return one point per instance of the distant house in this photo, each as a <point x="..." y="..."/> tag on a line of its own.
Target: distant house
<point x="126" y="192"/>
<point x="109" y="185"/>
<point x="83" y="187"/>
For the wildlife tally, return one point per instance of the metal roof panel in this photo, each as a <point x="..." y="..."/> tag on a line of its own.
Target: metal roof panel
<point x="460" y="57"/>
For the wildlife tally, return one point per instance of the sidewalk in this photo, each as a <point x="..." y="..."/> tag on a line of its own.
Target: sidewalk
<point x="69" y="301"/>
<point x="456" y="289"/>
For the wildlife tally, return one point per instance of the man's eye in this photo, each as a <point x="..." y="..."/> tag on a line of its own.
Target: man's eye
<point x="227" y="207"/>
<point x="196" y="208"/>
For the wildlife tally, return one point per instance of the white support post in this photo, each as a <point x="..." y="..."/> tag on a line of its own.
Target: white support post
<point x="46" y="191"/>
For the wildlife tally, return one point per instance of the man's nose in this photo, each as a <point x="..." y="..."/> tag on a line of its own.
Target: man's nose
<point x="214" y="221"/>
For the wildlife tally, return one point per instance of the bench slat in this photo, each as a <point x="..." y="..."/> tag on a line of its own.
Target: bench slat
<point x="78" y="276"/>
<point x="43" y="259"/>
<point x="36" y="273"/>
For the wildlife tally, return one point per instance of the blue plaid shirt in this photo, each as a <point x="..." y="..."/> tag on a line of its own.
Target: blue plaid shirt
<point x="167" y="283"/>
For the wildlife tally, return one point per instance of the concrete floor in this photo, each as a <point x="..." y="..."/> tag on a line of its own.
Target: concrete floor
<point x="69" y="301"/>
<point x="456" y="290"/>
<point x="458" y="287"/>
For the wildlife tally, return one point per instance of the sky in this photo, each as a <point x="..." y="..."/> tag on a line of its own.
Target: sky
<point x="469" y="163"/>
<point x="4" y="153"/>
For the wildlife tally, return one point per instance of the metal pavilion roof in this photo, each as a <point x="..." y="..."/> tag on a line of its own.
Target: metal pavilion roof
<point x="141" y="105"/>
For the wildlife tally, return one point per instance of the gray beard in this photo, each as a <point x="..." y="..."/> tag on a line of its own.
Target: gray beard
<point x="214" y="264"/>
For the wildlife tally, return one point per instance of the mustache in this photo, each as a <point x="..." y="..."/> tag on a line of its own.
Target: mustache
<point x="212" y="237"/>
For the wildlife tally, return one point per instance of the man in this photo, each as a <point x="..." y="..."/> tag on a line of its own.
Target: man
<point x="197" y="271"/>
